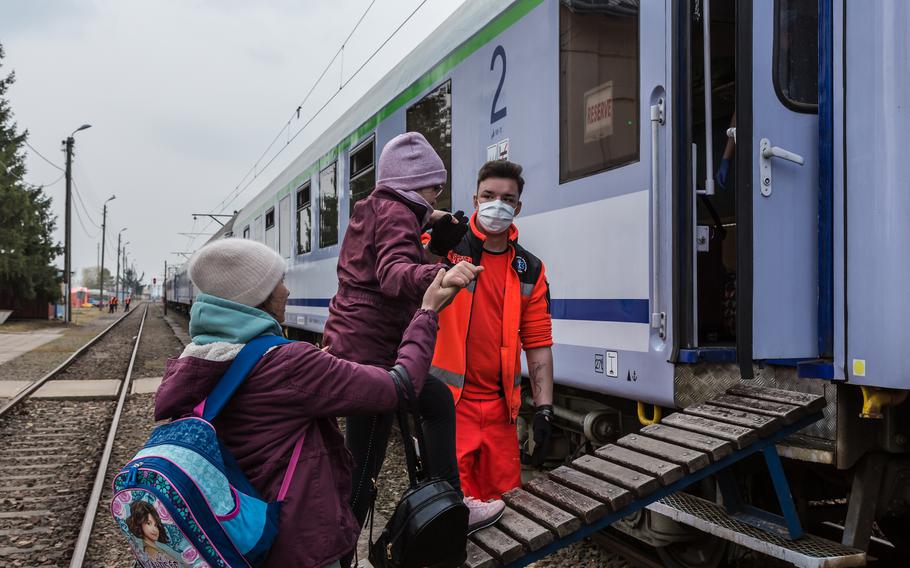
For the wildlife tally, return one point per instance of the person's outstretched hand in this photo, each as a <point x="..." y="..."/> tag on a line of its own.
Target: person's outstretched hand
<point x="448" y="230"/>
<point x="438" y="296"/>
<point x="461" y="274"/>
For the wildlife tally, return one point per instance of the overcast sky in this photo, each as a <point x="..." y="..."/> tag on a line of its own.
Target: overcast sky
<point x="183" y="97"/>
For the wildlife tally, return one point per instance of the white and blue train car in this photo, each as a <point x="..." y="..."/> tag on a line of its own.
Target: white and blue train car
<point x="717" y="189"/>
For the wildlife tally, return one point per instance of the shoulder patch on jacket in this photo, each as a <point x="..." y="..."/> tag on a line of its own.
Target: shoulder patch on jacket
<point x="520" y="264"/>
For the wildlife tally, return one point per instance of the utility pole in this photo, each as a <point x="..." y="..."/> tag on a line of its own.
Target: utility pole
<point x="125" y="268"/>
<point x="117" y="277"/>
<point x="68" y="240"/>
<point x="103" y="229"/>
<point x="68" y="244"/>
<point x="164" y="288"/>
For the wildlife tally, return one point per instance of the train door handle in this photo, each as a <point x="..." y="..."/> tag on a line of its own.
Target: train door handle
<point x="765" y="152"/>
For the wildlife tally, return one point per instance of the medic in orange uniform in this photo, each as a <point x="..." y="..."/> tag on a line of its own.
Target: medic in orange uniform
<point x="482" y="333"/>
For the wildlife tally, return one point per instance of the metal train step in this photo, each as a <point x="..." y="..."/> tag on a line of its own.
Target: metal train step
<point x="650" y="467"/>
<point x="808" y="551"/>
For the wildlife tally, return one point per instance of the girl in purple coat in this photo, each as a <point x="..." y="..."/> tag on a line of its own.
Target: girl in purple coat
<point x="382" y="274"/>
<point x="295" y="388"/>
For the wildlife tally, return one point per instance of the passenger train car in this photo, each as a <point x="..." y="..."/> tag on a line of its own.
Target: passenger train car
<point x="718" y="191"/>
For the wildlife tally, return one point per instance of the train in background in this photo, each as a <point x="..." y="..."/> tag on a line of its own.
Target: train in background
<point x="718" y="191"/>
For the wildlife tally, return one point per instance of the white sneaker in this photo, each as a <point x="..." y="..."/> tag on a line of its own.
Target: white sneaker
<point x="482" y="514"/>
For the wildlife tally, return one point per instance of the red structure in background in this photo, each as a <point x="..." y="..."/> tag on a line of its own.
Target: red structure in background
<point x="26" y="309"/>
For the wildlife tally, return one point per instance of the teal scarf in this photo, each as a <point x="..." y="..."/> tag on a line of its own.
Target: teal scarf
<point x="216" y="319"/>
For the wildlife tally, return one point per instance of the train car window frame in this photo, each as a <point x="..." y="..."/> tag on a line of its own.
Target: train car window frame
<point x="304" y="203"/>
<point x="284" y="226"/>
<point x="246" y="232"/>
<point x="777" y="65"/>
<point x="268" y="235"/>
<point x="328" y="235"/>
<point x="444" y="201"/>
<point x="364" y="173"/>
<point x="595" y="97"/>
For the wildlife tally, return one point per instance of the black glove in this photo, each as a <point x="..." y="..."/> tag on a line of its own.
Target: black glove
<point x="543" y="430"/>
<point x="447" y="234"/>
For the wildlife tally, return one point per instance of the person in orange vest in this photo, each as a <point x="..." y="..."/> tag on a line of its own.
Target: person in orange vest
<point x="481" y="336"/>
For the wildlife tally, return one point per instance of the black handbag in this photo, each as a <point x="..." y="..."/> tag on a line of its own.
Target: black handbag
<point x="430" y="524"/>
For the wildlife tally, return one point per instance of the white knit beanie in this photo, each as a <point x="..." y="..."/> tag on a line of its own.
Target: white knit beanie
<point x="238" y="270"/>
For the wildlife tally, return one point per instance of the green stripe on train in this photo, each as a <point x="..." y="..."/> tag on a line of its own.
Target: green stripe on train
<point x="483" y="36"/>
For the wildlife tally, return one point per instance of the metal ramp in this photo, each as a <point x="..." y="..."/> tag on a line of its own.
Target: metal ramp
<point x="650" y="467"/>
<point x="809" y="551"/>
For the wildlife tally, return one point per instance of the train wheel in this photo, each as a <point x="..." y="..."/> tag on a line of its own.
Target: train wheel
<point x="706" y="551"/>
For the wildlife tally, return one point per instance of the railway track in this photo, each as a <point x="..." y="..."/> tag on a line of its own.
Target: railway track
<point x="54" y="453"/>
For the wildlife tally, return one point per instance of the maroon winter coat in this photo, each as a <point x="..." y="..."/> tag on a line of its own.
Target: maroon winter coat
<point x="298" y="388"/>
<point x="381" y="279"/>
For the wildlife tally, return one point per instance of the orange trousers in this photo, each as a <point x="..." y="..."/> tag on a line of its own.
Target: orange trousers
<point x="486" y="444"/>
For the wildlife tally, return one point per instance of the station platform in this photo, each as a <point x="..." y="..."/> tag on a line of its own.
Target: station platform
<point x="13" y="345"/>
<point x="651" y="468"/>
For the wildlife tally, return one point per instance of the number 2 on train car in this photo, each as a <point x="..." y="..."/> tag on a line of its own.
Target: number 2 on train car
<point x="496" y="114"/>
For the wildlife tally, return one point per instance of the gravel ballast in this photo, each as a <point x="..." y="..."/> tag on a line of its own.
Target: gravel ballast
<point x="38" y="362"/>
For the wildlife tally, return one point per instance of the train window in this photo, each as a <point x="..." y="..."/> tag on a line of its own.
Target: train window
<point x="270" y="228"/>
<point x="598" y="86"/>
<point x="328" y="208"/>
<point x="432" y="117"/>
<point x="363" y="171"/>
<point x="796" y="54"/>
<point x="304" y="219"/>
<point x="246" y="232"/>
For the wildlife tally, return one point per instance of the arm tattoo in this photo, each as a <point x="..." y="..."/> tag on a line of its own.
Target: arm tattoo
<point x="536" y="370"/>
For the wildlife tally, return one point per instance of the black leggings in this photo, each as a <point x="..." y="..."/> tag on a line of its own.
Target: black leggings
<point x="438" y="410"/>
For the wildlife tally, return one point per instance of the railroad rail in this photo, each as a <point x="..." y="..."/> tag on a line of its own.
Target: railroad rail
<point x="44" y="445"/>
<point x="88" y="520"/>
<point x="30" y="389"/>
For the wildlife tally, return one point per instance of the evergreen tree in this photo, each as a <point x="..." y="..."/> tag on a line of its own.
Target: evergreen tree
<point x="27" y="247"/>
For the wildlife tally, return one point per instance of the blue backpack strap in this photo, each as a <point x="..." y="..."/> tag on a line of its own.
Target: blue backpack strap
<point x="209" y="408"/>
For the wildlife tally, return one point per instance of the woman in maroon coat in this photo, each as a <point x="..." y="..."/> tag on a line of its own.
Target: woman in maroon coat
<point x="295" y="389"/>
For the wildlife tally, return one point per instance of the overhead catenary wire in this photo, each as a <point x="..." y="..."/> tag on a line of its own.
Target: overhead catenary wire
<point x="296" y="113"/>
<point x="332" y="98"/>
<point x="241" y="187"/>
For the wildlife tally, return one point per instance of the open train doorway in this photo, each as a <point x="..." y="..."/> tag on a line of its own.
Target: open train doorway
<point x="713" y="180"/>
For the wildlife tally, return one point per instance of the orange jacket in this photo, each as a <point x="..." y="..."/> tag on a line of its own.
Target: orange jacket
<point x="525" y="320"/>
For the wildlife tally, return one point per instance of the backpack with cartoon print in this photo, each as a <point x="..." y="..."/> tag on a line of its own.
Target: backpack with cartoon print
<point x="183" y="501"/>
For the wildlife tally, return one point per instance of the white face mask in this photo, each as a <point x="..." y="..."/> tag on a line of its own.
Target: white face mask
<point x="495" y="216"/>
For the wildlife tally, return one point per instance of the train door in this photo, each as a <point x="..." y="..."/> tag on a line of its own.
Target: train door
<point x="777" y="183"/>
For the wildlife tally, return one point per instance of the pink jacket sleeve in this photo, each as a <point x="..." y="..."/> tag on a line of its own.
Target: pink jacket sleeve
<point x="321" y="384"/>
<point x="399" y="255"/>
